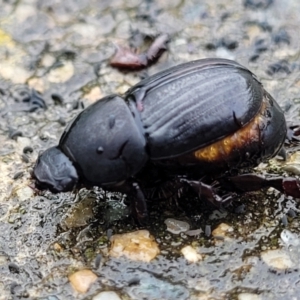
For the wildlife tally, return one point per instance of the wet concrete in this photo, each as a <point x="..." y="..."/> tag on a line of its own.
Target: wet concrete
<point x="61" y="50"/>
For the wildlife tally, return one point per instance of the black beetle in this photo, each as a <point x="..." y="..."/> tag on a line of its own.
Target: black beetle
<point x="202" y="117"/>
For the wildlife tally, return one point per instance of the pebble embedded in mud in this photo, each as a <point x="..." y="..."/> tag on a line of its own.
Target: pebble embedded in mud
<point x="61" y="74"/>
<point x="277" y="259"/>
<point x="57" y="247"/>
<point x="107" y="295"/>
<point x="138" y="245"/>
<point x="24" y="192"/>
<point x="292" y="164"/>
<point x="82" y="280"/>
<point x="176" y="226"/>
<point x="93" y="95"/>
<point x="15" y="74"/>
<point x="23" y="142"/>
<point x="151" y="288"/>
<point x="221" y="231"/>
<point x="37" y="84"/>
<point x="249" y="296"/>
<point x="194" y="232"/>
<point x="79" y="214"/>
<point x="190" y="254"/>
<point x="289" y="238"/>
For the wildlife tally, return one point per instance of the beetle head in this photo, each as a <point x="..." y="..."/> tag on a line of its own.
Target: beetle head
<point x="54" y="170"/>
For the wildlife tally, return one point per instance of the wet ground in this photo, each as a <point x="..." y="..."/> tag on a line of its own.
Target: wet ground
<point x="54" y="60"/>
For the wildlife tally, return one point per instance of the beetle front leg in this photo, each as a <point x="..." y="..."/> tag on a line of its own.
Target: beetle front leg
<point x="252" y="182"/>
<point x="138" y="201"/>
<point x="207" y="191"/>
<point x="291" y="187"/>
<point x="138" y="204"/>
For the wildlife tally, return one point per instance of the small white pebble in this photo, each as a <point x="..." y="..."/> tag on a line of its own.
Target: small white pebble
<point x="190" y="254"/>
<point x="249" y="296"/>
<point x="221" y="231"/>
<point x="24" y="193"/>
<point x="61" y="74"/>
<point x="138" y="245"/>
<point x="277" y="259"/>
<point x="289" y="238"/>
<point x="176" y="226"/>
<point x="82" y="280"/>
<point x="107" y="295"/>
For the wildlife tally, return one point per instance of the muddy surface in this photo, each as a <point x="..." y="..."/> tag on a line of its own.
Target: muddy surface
<point x="54" y="61"/>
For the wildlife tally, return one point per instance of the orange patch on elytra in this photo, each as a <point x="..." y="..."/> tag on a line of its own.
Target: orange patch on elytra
<point x="223" y="148"/>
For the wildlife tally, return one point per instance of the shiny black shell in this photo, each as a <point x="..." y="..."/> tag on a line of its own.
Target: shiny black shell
<point x="211" y="115"/>
<point x="195" y="104"/>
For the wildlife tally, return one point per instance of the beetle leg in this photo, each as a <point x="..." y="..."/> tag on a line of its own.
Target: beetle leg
<point x="293" y="133"/>
<point x="207" y="191"/>
<point x="252" y="182"/>
<point x="291" y="187"/>
<point x="138" y="201"/>
<point x="138" y="204"/>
